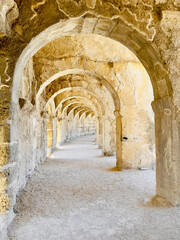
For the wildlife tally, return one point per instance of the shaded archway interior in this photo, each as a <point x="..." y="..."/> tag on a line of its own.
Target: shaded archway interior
<point x="74" y="67"/>
<point x="89" y="67"/>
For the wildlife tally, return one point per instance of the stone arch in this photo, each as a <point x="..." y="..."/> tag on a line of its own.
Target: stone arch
<point x="76" y="27"/>
<point x="69" y="94"/>
<point x="100" y="126"/>
<point x="76" y="101"/>
<point x="72" y="123"/>
<point x="73" y="106"/>
<point x="149" y="57"/>
<point x="83" y="92"/>
<point x="81" y="95"/>
<point x="90" y="113"/>
<point x="96" y="76"/>
<point x="81" y="113"/>
<point x="68" y="89"/>
<point x="80" y="104"/>
<point x="78" y="109"/>
<point x="131" y="39"/>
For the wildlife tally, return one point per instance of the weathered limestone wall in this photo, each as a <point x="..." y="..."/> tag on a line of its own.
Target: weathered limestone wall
<point x="109" y="135"/>
<point x="64" y="130"/>
<point x="54" y="123"/>
<point x="98" y="133"/>
<point x="71" y="125"/>
<point x="137" y="116"/>
<point x="9" y="12"/>
<point x="29" y="143"/>
<point x="30" y="128"/>
<point x="28" y="136"/>
<point x="58" y="139"/>
<point x="49" y="133"/>
<point x="167" y="114"/>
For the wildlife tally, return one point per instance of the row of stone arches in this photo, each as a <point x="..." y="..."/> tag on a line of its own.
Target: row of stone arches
<point x="91" y="73"/>
<point x="61" y="29"/>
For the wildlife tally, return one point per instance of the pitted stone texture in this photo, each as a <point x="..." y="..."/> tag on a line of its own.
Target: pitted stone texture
<point x="167" y="128"/>
<point x="8" y="13"/>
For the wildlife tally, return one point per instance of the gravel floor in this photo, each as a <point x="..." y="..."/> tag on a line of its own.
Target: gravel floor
<point x="76" y="195"/>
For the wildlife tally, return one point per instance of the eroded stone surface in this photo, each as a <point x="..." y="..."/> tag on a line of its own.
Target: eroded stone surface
<point x="8" y="13"/>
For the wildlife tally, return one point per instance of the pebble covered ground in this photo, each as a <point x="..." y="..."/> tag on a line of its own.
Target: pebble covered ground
<point x="77" y="195"/>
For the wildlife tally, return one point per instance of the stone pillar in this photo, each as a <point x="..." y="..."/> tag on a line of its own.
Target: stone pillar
<point x="63" y="130"/>
<point x="86" y="125"/>
<point x="93" y="127"/>
<point x="58" y="140"/>
<point x="77" y="127"/>
<point x="107" y="137"/>
<point x="83" y="127"/>
<point x="49" y="133"/>
<point x="99" y="133"/>
<point x="54" y="133"/>
<point x="74" y="129"/>
<point x="167" y="138"/>
<point x="118" y="140"/>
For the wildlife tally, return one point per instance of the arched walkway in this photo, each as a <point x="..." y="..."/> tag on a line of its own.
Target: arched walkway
<point x="48" y="46"/>
<point x="150" y="61"/>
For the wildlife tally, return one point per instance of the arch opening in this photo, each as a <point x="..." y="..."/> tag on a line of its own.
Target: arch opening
<point x="115" y="129"/>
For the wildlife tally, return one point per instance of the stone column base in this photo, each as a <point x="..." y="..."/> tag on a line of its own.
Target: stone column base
<point x="158" y="201"/>
<point x="119" y="164"/>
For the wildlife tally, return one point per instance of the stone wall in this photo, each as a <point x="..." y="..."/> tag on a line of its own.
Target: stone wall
<point x="28" y="149"/>
<point x="137" y="117"/>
